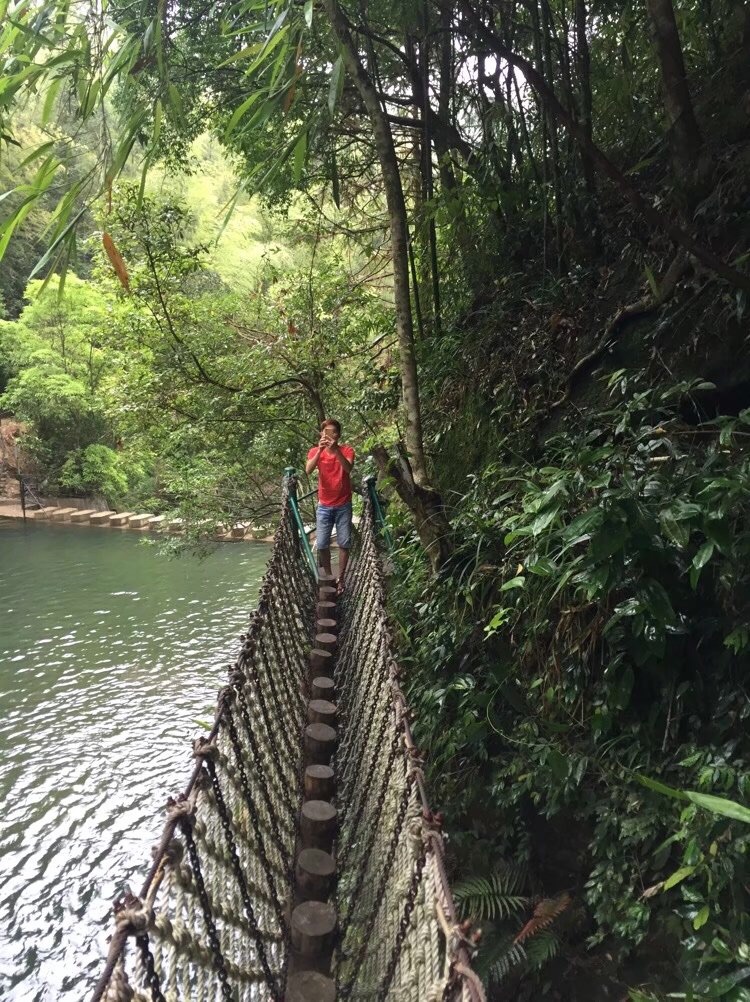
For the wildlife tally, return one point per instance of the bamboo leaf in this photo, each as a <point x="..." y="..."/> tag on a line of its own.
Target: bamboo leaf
<point x="300" y="155"/>
<point x="337" y="85"/>
<point x="238" y="112"/>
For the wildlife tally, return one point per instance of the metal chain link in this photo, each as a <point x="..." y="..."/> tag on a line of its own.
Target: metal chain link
<point x="152" y="978"/>
<point x="186" y="824"/>
<point x="240" y="878"/>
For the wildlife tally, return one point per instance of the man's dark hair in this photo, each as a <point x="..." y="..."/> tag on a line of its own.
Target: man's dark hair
<point x="332" y="423"/>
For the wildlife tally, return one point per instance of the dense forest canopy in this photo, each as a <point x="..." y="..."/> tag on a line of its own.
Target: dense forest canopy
<point x="507" y="244"/>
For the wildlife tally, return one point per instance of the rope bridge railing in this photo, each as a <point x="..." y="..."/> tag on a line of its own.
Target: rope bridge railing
<point x="220" y="915"/>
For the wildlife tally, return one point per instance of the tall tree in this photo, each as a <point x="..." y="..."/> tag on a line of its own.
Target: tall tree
<point x="684" y="134"/>
<point x="411" y="478"/>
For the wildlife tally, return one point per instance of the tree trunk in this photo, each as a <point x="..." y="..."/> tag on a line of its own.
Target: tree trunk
<point x="684" y="134"/>
<point x="554" y="145"/>
<point x="425" y="505"/>
<point x="655" y="217"/>
<point x="434" y="523"/>
<point x="583" y="71"/>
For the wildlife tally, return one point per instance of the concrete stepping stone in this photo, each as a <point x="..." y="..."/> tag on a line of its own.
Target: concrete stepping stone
<point x="121" y="518"/>
<point x="157" y="523"/>
<point x="82" y="515"/>
<point x="40" y="513"/>
<point x="62" y="514"/>
<point x="238" y="531"/>
<point x="101" y="517"/>
<point x="140" y="521"/>
<point x="176" y="525"/>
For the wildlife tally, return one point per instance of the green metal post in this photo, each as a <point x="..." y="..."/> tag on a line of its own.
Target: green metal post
<point x="377" y="509"/>
<point x="289" y="474"/>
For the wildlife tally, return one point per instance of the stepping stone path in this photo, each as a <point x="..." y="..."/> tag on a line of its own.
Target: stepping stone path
<point x="101" y="517"/>
<point x="121" y="518"/>
<point x="82" y="515"/>
<point x="146" y="522"/>
<point x="62" y="514"/>
<point x="40" y="513"/>
<point x="140" y="521"/>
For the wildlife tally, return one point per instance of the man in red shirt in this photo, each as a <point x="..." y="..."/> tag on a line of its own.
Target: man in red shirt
<point x="334" y="464"/>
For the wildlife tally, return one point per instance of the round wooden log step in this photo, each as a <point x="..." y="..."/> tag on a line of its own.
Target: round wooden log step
<point x="327" y="626"/>
<point x="326" y="610"/>
<point x="319" y="782"/>
<point x="327" y="594"/>
<point x="310" y="986"/>
<point x="320" y="743"/>
<point x="325" y="642"/>
<point x="313" y="926"/>
<point x="321" y="711"/>
<point x="323" y="687"/>
<point x="318" y="824"/>
<point x="315" y="874"/>
<point x="321" y="661"/>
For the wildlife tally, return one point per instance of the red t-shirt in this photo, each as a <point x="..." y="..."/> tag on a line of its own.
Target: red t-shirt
<point x="334" y="485"/>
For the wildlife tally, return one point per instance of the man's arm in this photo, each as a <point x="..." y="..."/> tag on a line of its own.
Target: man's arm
<point x="345" y="463"/>
<point x="313" y="460"/>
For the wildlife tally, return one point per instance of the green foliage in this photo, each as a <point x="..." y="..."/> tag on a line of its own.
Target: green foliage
<point x="591" y="631"/>
<point x="98" y="469"/>
<point x="494" y="897"/>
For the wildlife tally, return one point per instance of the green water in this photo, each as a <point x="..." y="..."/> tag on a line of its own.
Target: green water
<point x="110" y="656"/>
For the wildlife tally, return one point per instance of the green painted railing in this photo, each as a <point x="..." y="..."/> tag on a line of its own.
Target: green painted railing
<point x="294" y="502"/>
<point x="377" y="509"/>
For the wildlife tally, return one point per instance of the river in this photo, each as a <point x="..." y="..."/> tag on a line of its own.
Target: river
<point x="110" y="660"/>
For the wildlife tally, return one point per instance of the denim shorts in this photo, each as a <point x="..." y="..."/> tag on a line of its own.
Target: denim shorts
<point x="327" y="517"/>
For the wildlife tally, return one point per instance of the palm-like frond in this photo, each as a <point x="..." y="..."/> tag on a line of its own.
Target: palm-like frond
<point x="498" y="957"/>
<point x="492" y="898"/>
<point x="541" y="948"/>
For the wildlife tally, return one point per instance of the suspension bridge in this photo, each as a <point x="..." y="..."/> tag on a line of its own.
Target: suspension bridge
<point x="302" y="862"/>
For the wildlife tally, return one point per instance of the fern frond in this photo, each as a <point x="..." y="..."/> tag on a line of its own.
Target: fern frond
<point x="545" y="913"/>
<point x="490" y="898"/>
<point x="513" y="955"/>
<point x="541" y="948"/>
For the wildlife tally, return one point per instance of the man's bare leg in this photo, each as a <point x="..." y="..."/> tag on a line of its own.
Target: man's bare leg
<point x="324" y="560"/>
<point x="343" y="560"/>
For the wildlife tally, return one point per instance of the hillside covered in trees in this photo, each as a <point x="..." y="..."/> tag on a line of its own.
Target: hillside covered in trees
<point x="507" y="244"/>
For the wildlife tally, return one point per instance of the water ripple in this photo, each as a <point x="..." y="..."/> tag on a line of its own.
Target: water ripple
<point x="101" y="697"/>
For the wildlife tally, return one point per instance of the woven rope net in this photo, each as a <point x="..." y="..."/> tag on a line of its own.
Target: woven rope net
<point x="212" y="921"/>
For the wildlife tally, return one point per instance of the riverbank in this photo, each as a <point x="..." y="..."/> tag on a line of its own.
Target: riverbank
<point x="133" y="521"/>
